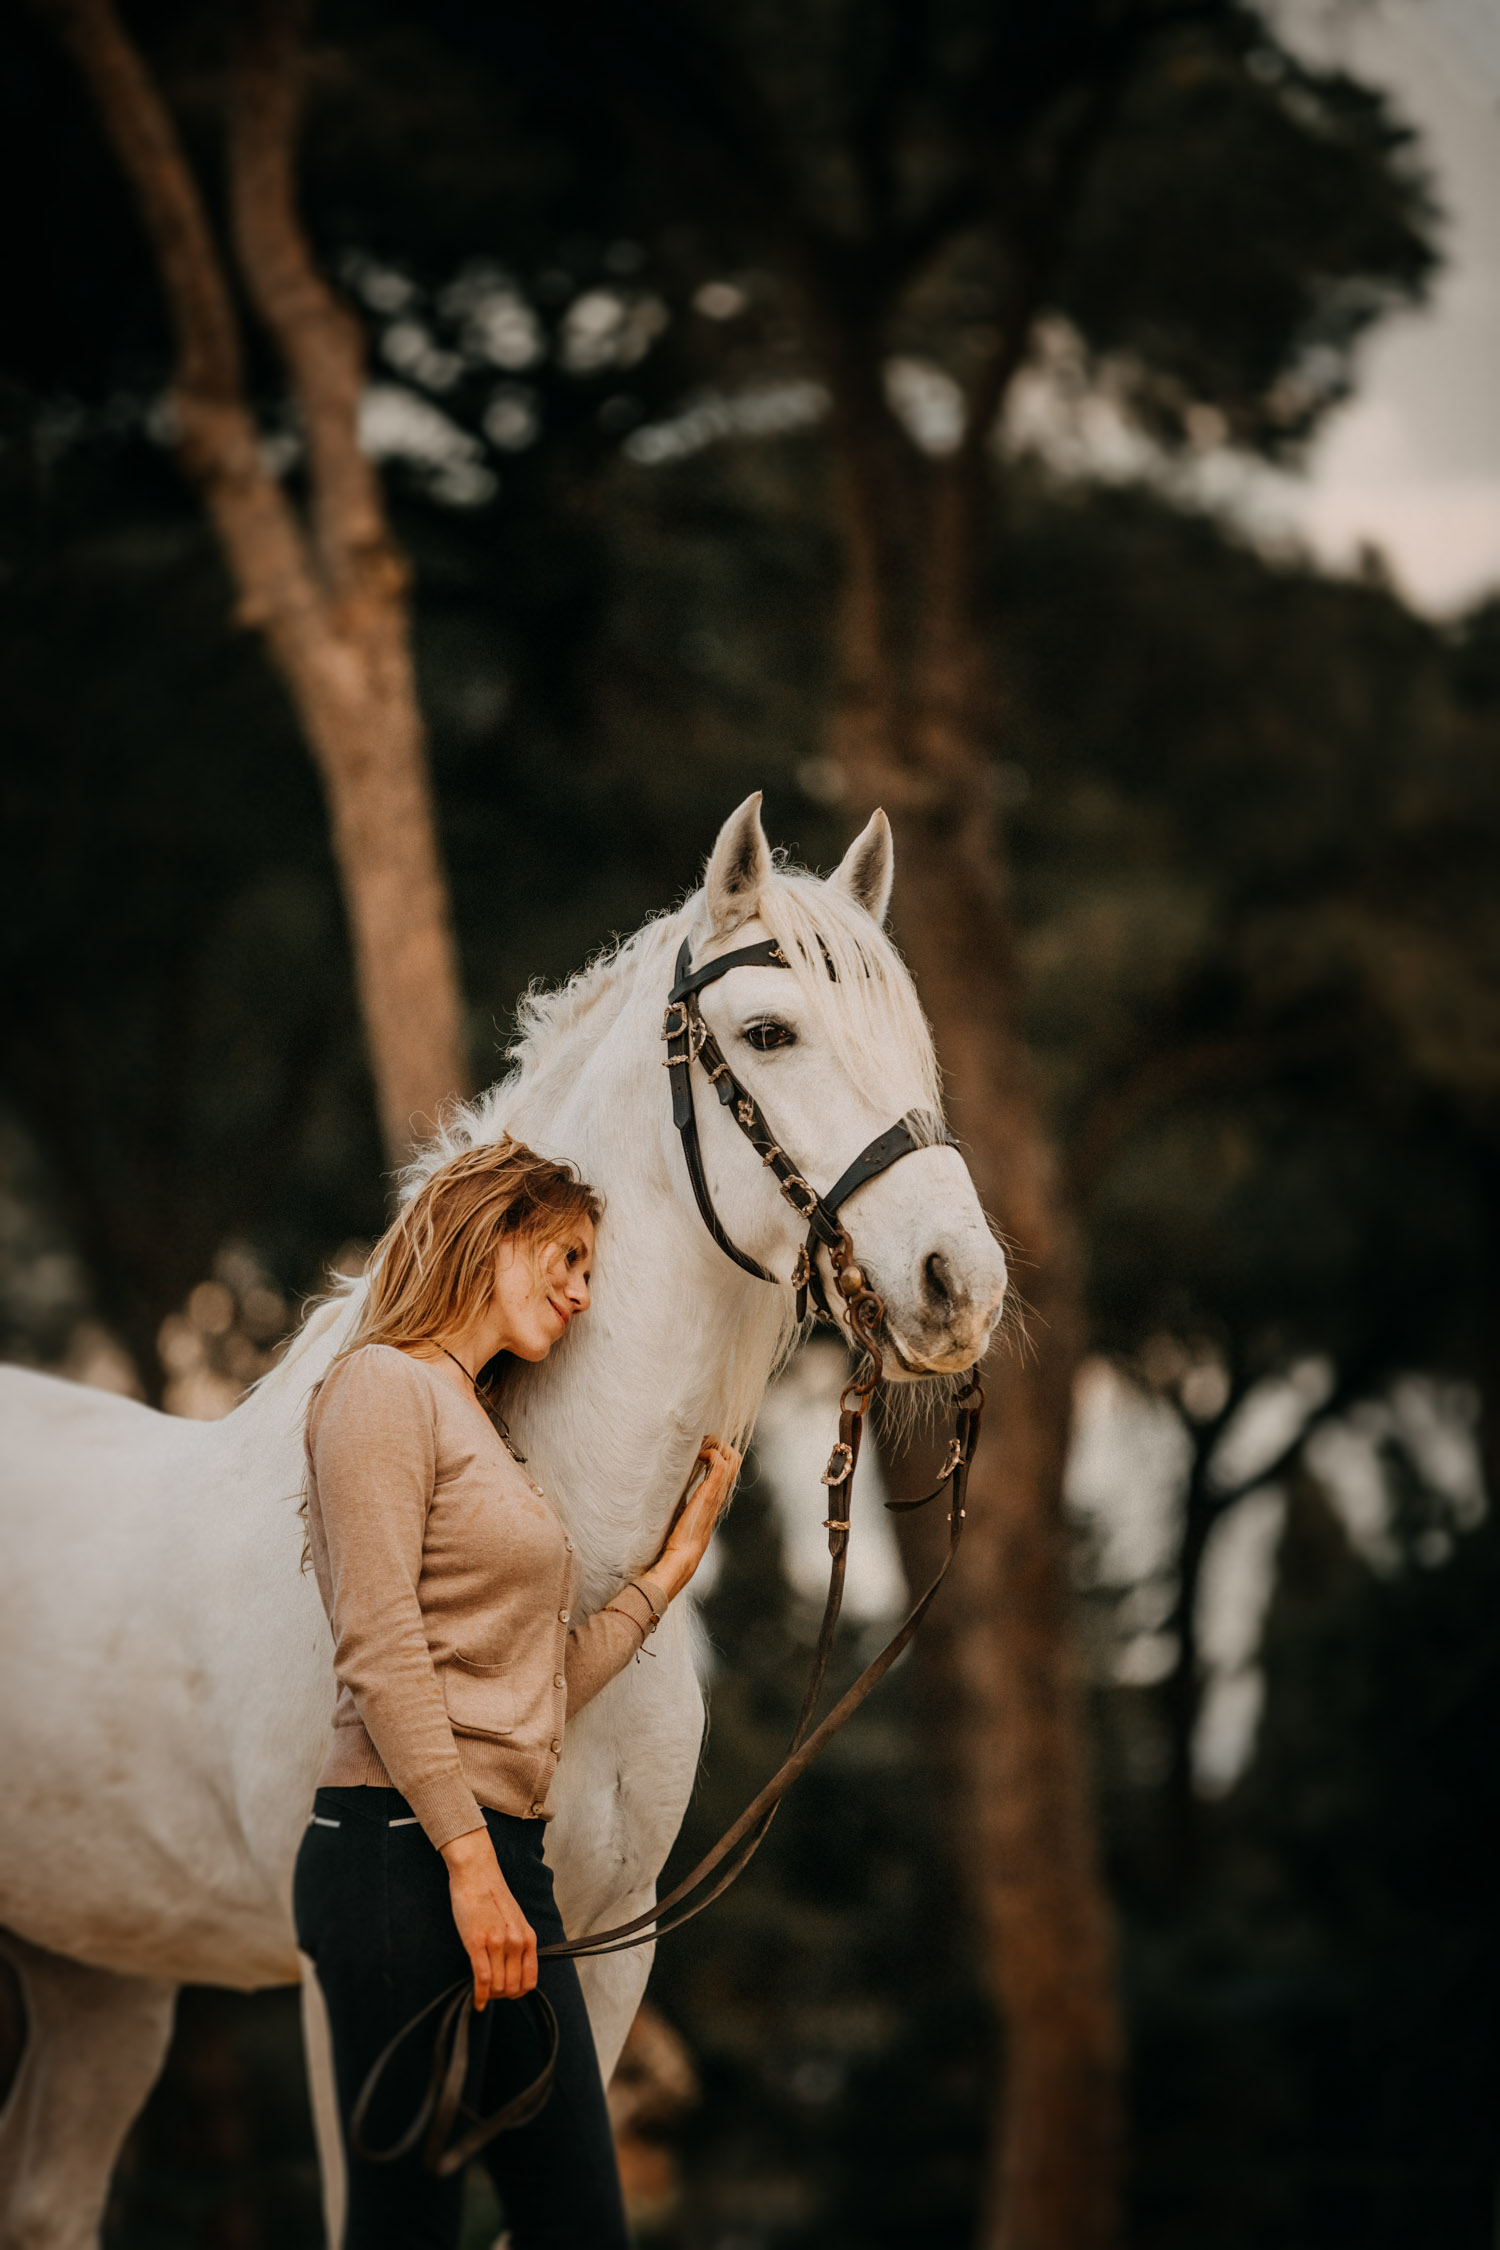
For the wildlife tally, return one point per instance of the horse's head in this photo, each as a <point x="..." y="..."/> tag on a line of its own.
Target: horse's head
<point x="834" y="1048"/>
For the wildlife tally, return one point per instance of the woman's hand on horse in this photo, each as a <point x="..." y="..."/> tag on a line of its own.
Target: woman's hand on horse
<point x="500" y="1942"/>
<point x="687" y="1541"/>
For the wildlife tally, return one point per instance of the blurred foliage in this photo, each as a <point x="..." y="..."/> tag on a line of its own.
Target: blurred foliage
<point x="1253" y="823"/>
<point x="1256" y="858"/>
<point x="1315" y="2030"/>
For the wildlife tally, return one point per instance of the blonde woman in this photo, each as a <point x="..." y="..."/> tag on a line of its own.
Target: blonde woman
<point x="449" y="1579"/>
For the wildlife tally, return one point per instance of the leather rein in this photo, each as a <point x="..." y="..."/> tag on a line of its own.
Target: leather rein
<point x="690" y="1040"/>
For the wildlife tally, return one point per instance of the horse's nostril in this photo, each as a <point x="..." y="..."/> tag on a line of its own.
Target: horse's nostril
<point x="938" y="1278"/>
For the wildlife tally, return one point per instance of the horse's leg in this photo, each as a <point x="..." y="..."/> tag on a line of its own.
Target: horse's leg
<point x="317" y="2048"/>
<point x="612" y="1987"/>
<point x="94" y="2044"/>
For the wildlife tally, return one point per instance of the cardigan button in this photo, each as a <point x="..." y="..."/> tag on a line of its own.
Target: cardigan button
<point x="556" y="1744"/>
<point x="559" y="1679"/>
<point x="563" y="1616"/>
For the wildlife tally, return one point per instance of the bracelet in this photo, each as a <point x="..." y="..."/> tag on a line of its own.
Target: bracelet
<point x="612" y="1610"/>
<point x="656" y="1614"/>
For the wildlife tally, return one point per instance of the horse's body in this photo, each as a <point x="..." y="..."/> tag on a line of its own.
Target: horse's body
<point x="165" y="1665"/>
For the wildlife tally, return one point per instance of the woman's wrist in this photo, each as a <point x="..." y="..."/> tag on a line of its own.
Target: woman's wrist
<point x="471" y="1849"/>
<point x="649" y="1606"/>
<point x="657" y="1588"/>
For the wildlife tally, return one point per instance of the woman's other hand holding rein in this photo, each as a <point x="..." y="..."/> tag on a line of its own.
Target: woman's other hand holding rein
<point x="496" y="1935"/>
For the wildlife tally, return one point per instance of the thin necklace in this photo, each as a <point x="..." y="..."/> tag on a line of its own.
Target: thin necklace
<point x="458" y="1363"/>
<point x="498" y="1420"/>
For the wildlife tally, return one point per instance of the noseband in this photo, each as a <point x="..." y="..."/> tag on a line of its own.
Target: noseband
<point x="690" y="1040"/>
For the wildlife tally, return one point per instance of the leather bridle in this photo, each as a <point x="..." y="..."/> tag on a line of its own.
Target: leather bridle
<point x="690" y="1040"/>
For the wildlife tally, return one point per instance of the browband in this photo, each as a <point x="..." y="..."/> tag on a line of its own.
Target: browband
<point x="766" y="955"/>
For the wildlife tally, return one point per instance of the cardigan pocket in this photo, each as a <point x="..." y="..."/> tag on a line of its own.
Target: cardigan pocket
<point x="479" y="1697"/>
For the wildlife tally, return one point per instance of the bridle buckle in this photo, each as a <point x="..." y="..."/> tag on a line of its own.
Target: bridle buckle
<point x="690" y="1029"/>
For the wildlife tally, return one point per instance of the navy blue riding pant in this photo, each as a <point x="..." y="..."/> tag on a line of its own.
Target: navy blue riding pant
<point x="373" y="1912"/>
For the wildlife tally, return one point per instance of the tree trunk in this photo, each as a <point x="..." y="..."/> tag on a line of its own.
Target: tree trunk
<point x="355" y="695"/>
<point x="1034" y="1871"/>
<point x="329" y="598"/>
<point x="910" y="728"/>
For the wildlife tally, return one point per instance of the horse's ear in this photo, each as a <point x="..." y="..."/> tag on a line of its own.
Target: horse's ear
<point x="867" y="867"/>
<point x="738" y="867"/>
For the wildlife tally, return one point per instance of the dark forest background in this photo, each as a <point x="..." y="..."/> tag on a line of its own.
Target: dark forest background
<point x="1253" y="816"/>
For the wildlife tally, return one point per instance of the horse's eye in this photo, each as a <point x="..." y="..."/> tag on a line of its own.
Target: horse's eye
<point x="763" y="1037"/>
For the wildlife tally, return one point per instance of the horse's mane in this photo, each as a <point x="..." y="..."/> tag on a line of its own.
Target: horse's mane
<point x="849" y="972"/>
<point x="543" y="1046"/>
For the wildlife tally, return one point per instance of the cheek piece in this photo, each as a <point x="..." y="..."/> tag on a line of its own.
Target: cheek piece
<point x="690" y="1040"/>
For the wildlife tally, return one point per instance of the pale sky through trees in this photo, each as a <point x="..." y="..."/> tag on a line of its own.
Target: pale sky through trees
<point x="1412" y="464"/>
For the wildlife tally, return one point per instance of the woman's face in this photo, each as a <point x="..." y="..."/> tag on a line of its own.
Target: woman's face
<point x="540" y="1288"/>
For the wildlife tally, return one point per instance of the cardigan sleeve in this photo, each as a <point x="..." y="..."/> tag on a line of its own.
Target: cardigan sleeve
<point x="602" y="1645"/>
<point x="373" y="1451"/>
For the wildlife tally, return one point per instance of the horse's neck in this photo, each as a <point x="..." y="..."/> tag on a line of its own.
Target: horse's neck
<point x="678" y="1342"/>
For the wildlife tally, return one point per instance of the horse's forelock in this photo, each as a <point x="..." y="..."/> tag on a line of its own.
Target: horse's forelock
<point x="850" y="973"/>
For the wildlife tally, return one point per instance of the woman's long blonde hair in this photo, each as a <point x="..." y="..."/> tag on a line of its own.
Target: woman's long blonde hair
<point x="433" y="1270"/>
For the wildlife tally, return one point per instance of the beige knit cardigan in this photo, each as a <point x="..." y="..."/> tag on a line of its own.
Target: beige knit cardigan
<point x="450" y="1584"/>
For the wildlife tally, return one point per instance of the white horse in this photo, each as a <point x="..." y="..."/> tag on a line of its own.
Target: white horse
<point x="165" y="1666"/>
